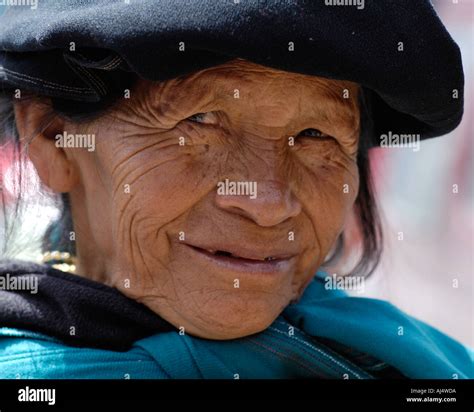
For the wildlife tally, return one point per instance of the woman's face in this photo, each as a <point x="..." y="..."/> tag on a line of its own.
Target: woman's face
<point x="152" y="214"/>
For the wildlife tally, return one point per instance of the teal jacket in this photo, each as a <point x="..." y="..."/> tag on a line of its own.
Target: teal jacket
<point x="287" y="349"/>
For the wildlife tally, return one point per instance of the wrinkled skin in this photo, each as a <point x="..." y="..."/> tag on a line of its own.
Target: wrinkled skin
<point x="133" y="196"/>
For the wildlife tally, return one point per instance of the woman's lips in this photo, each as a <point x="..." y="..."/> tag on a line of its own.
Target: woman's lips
<point x="269" y="264"/>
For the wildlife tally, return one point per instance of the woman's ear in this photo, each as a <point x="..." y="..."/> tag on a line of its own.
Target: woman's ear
<point x="37" y="128"/>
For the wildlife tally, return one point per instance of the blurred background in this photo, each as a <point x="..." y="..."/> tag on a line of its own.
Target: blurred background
<point x="429" y="273"/>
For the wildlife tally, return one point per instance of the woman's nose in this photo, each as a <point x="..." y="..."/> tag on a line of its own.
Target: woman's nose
<point x="267" y="203"/>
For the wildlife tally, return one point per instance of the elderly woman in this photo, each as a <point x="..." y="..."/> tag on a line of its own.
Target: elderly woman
<point x="208" y="155"/>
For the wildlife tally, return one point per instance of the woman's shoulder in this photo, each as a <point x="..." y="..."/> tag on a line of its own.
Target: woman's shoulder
<point x="30" y="355"/>
<point x="380" y="329"/>
<point x="32" y="296"/>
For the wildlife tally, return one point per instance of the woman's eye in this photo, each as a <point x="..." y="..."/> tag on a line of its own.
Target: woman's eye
<point x="205" y="118"/>
<point x="313" y="133"/>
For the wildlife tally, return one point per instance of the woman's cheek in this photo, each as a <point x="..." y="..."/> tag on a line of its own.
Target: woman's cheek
<point x="328" y="191"/>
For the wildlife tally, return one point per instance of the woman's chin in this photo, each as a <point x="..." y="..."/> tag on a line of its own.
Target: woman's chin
<point x="223" y="320"/>
<point x="228" y="332"/>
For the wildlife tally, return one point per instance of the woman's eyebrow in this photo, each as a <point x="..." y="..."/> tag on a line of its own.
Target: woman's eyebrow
<point x="329" y="107"/>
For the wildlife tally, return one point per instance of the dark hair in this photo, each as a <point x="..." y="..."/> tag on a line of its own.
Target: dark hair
<point x="57" y="234"/>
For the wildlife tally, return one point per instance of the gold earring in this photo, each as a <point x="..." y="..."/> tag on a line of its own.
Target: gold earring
<point x="62" y="261"/>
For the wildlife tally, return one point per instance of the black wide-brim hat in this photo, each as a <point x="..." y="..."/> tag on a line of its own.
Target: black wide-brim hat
<point x="409" y="67"/>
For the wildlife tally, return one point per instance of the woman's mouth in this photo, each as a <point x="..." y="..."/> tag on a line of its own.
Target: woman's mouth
<point x="243" y="261"/>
